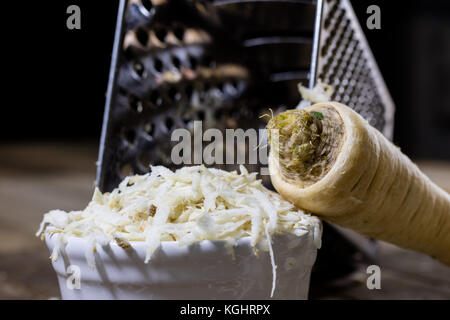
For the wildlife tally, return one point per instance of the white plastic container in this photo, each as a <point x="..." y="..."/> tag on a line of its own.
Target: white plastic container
<point x="205" y="270"/>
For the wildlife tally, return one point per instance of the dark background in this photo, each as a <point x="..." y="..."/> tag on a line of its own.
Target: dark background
<point x="57" y="77"/>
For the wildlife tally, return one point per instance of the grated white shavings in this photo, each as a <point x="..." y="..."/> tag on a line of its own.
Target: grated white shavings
<point x="321" y="92"/>
<point x="189" y="205"/>
<point x="272" y="260"/>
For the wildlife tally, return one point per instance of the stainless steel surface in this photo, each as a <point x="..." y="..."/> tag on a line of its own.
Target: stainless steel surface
<point x="175" y="62"/>
<point x="344" y="60"/>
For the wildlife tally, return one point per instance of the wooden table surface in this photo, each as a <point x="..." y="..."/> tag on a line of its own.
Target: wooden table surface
<point x="38" y="177"/>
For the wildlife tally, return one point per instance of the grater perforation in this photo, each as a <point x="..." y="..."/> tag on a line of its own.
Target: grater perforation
<point x="345" y="61"/>
<point x="222" y="62"/>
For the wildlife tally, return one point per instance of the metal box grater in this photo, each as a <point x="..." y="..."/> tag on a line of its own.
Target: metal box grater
<point x="226" y="62"/>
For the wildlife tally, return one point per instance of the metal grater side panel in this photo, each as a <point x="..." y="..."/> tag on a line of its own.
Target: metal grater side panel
<point x="110" y="95"/>
<point x="179" y="61"/>
<point x="343" y="59"/>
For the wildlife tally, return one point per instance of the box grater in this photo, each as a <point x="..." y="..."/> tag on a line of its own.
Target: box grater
<point x="225" y="63"/>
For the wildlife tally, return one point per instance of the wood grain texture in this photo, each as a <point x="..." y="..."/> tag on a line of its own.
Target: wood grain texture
<point x="38" y="177"/>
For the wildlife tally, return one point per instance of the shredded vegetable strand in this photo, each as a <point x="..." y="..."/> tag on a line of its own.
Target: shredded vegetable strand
<point x="272" y="260"/>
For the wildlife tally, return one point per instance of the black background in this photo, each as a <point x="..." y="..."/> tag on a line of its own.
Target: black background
<point x="56" y="78"/>
<point x="60" y="77"/>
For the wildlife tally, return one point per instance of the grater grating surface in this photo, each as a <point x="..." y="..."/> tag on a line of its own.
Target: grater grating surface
<point x="225" y="62"/>
<point x="175" y="62"/>
<point x="344" y="60"/>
